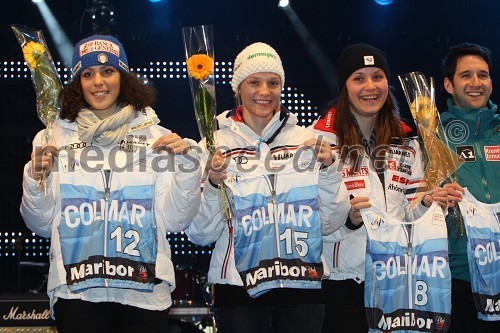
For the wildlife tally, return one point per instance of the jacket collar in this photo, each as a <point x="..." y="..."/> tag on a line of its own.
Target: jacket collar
<point x="472" y="117"/>
<point x="233" y="120"/>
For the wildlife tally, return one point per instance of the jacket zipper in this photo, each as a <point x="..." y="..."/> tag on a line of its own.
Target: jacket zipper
<point x="409" y="263"/>
<point x="272" y="179"/>
<point x="481" y="157"/>
<point x="106" y="176"/>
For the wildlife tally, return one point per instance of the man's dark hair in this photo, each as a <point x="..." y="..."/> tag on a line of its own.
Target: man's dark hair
<point x="460" y="50"/>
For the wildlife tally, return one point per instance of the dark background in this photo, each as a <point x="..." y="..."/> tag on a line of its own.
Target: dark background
<point x="414" y="34"/>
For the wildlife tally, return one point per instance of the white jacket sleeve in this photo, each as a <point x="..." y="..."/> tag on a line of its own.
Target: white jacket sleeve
<point x="178" y="194"/>
<point x="333" y="199"/>
<point x="341" y="234"/>
<point x="415" y="209"/>
<point x="38" y="208"/>
<point x="207" y="225"/>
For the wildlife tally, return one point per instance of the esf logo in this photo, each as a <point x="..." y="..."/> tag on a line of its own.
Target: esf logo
<point x="401" y="180"/>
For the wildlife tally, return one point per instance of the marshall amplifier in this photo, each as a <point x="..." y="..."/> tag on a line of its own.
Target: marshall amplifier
<point x="25" y="313"/>
<point x="30" y="313"/>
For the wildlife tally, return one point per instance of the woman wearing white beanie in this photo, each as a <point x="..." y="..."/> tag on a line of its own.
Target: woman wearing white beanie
<point x="266" y="266"/>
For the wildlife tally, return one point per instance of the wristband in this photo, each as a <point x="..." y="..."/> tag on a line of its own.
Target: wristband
<point x="214" y="185"/>
<point x="423" y="202"/>
<point x="349" y="225"/>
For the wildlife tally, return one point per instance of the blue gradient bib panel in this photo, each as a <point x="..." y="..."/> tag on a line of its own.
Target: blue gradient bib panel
<point x="108" y="229"/>
<point x="407" y="276"/>
<point x="277" y="228"/>
<point x="483" y="249"/>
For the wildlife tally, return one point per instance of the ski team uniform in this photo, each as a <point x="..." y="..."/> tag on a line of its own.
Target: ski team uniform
<point x="282" y="207"/>
<point x="285" y="210"/>
<point x="108" y="220"/>
<point x="483" y="248"/>
<point x="481" y="151"/>
<point x="344" y="250"/>
<point x="408" y="279"/>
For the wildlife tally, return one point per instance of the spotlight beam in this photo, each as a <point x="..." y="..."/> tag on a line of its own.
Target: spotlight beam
<point x="315" y="51"/>
<point x="63" y="44"/>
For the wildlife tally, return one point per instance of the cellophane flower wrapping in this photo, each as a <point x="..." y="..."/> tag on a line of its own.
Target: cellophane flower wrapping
<point x="440" y="161"/>
<point x="198" y="46"/>
<point x="199" y="50"/>
<point x="46" y="81"/>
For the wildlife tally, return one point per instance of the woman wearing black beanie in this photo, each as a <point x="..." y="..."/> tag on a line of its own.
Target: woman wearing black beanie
<point x="381" y="167"/>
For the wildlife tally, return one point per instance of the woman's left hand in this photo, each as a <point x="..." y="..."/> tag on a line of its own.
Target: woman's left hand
<point x="172" y="143"/>
<point x="321" y="149"/>
<point x="439" y="195"/>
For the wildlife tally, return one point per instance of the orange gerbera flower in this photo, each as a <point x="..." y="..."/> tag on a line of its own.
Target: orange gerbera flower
<point x="32" y="52"/>
<point x="200" y="66"/>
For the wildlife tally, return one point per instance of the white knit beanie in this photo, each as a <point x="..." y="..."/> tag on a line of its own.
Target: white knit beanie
<point x="256" y="58"/>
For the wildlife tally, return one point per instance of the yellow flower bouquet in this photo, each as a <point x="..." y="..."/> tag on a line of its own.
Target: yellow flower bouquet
<point x="441" y="162"/>
<point x="198" y="46"/>
<point x="46" y="81"/>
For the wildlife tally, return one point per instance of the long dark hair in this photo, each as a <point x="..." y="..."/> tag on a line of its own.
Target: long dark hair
<point x="133" y="91"/>
<point x="349" y="139"/>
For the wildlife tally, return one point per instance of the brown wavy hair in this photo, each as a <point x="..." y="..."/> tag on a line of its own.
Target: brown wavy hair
<point x="133" y="91"/>
<point x="387" y="124"/>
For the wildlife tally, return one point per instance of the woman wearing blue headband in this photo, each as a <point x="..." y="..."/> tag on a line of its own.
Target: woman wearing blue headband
<point x="111" y="198"/>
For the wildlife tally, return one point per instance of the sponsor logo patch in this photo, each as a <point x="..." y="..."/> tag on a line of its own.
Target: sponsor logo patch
<point x="142" y="125"/>
<point x="102" y="58"/>
<point x="376" y="221"/>
<point x="350" y="172"/>
<point x="466" y="152"/>
<point x="99" y="45"/>
<point x="369" y="60"/>
<point x="492" y="153"/>
<point x="355" y="184"/>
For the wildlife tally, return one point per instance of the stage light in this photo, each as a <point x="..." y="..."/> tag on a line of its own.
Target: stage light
<point x="102" y="14"/>
<point x="316" y="52"/>
<point x="283" y="3"/>
<point x="35" y="1"/>
<point x="384" y="2"/>
<point x="61" y="40"/>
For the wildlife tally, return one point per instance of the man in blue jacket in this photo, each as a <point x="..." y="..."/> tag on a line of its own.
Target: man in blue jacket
<point x="472" y="124"/>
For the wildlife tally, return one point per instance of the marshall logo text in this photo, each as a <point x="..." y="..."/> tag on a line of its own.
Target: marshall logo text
<point x="15" y="314"/>
<point x="25" y="311"/>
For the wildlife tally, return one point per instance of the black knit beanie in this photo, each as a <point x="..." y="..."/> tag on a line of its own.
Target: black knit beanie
<point x="357" y="56"/>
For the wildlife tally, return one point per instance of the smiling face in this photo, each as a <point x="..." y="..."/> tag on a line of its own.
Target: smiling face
<point x="101" y="88"/>
<point x="368" y="89"/>
<point x="260" y="96"/>
<point x="471" y="85"/>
